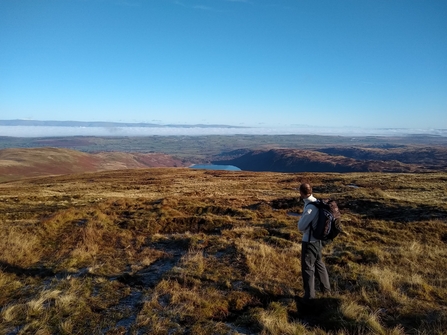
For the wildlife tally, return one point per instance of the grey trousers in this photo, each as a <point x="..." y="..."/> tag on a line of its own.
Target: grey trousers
<point x="312" y="266"/>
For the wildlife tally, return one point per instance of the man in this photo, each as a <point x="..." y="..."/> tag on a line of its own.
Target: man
<point x="311" y="258"/>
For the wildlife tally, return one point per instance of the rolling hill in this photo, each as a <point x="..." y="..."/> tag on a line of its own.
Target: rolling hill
<point x="18" y="163"/>
<point x="428" y="157"/>
<point x="294" y="160"/>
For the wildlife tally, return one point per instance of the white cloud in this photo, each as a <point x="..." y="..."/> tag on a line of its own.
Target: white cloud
<point x="203" y="7"/>
<point x="22" y="131"/>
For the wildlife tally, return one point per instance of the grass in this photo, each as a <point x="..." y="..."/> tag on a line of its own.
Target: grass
<point x="178" y="251"/>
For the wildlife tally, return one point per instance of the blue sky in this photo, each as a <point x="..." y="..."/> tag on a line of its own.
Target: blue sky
<point x="353" y="63"/>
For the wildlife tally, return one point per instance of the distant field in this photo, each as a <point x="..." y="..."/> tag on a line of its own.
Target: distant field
<point x="198" y="148"/>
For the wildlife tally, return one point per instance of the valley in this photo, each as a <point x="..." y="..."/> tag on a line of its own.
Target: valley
<point x="30" y="157"/>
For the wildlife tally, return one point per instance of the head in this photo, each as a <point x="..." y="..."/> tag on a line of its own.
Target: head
<point x="305" y="190"/>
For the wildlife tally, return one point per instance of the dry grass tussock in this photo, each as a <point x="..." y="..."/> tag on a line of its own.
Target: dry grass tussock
<point x="178" y="251"/>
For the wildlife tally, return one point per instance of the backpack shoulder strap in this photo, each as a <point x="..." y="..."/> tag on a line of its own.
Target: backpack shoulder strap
<point x="311" y="228"/>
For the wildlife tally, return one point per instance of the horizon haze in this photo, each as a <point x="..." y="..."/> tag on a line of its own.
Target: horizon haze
<point x="28" y="128"/>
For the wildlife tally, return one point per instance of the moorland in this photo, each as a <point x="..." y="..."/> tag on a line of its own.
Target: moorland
<point x="198" y="149"/>
<point x="30" y="157"/>
<point x="173" y="250"/>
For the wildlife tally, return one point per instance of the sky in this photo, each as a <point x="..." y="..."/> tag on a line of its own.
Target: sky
<point x="261" y="63"/>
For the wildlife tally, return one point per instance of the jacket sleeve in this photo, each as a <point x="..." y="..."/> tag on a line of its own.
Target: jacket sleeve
<point x="307" y="217"/>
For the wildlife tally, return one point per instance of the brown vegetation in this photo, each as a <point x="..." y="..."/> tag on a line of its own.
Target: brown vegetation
<point x="16" y="163"/>
<point x="425" y="157"/>
<point x="294" y="160"/>
<point x="175" y="251"/>
<point x="19" y="163"/>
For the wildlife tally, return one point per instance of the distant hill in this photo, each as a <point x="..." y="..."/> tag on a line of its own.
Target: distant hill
<point x="429" y="157"/>
<point x="200" y="149"/>
<point x="18" y="163"/>
<point x="21" y="163"/>
<point x="294" y="160"/>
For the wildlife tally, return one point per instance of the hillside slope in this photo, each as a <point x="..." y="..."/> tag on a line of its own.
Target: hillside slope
<point x="434" y="158"/>
<point x="21" y="163"/>
<point x="16" y="163"/>
<point x="182" y="251"/>
<point x="294" y="160"/>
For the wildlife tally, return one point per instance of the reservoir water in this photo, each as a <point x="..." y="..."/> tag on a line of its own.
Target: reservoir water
<point x="215" y="167"/>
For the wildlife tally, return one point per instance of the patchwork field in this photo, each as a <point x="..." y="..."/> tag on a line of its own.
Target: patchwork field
<point x="181" y="251"/>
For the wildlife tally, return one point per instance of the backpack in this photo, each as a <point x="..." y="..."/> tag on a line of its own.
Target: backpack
<point x="329" y="220"/>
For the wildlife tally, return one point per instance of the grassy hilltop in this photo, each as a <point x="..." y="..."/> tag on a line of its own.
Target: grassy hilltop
<point x="180" y="251"/>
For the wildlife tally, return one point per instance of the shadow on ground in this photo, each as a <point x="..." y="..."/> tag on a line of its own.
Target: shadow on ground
<point x="324" y="313"/>
<point x="392" y="212"/>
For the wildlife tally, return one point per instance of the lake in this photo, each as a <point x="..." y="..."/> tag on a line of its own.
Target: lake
<point x="215" y="167"/>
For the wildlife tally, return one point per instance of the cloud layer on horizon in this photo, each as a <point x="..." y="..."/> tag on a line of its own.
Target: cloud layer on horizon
<point x="44" y="131"/>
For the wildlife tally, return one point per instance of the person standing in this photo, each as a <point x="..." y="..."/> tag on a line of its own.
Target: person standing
<point x="311" y="258"/>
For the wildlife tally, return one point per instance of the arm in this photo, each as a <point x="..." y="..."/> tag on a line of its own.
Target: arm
<point x="307" y="217"/>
